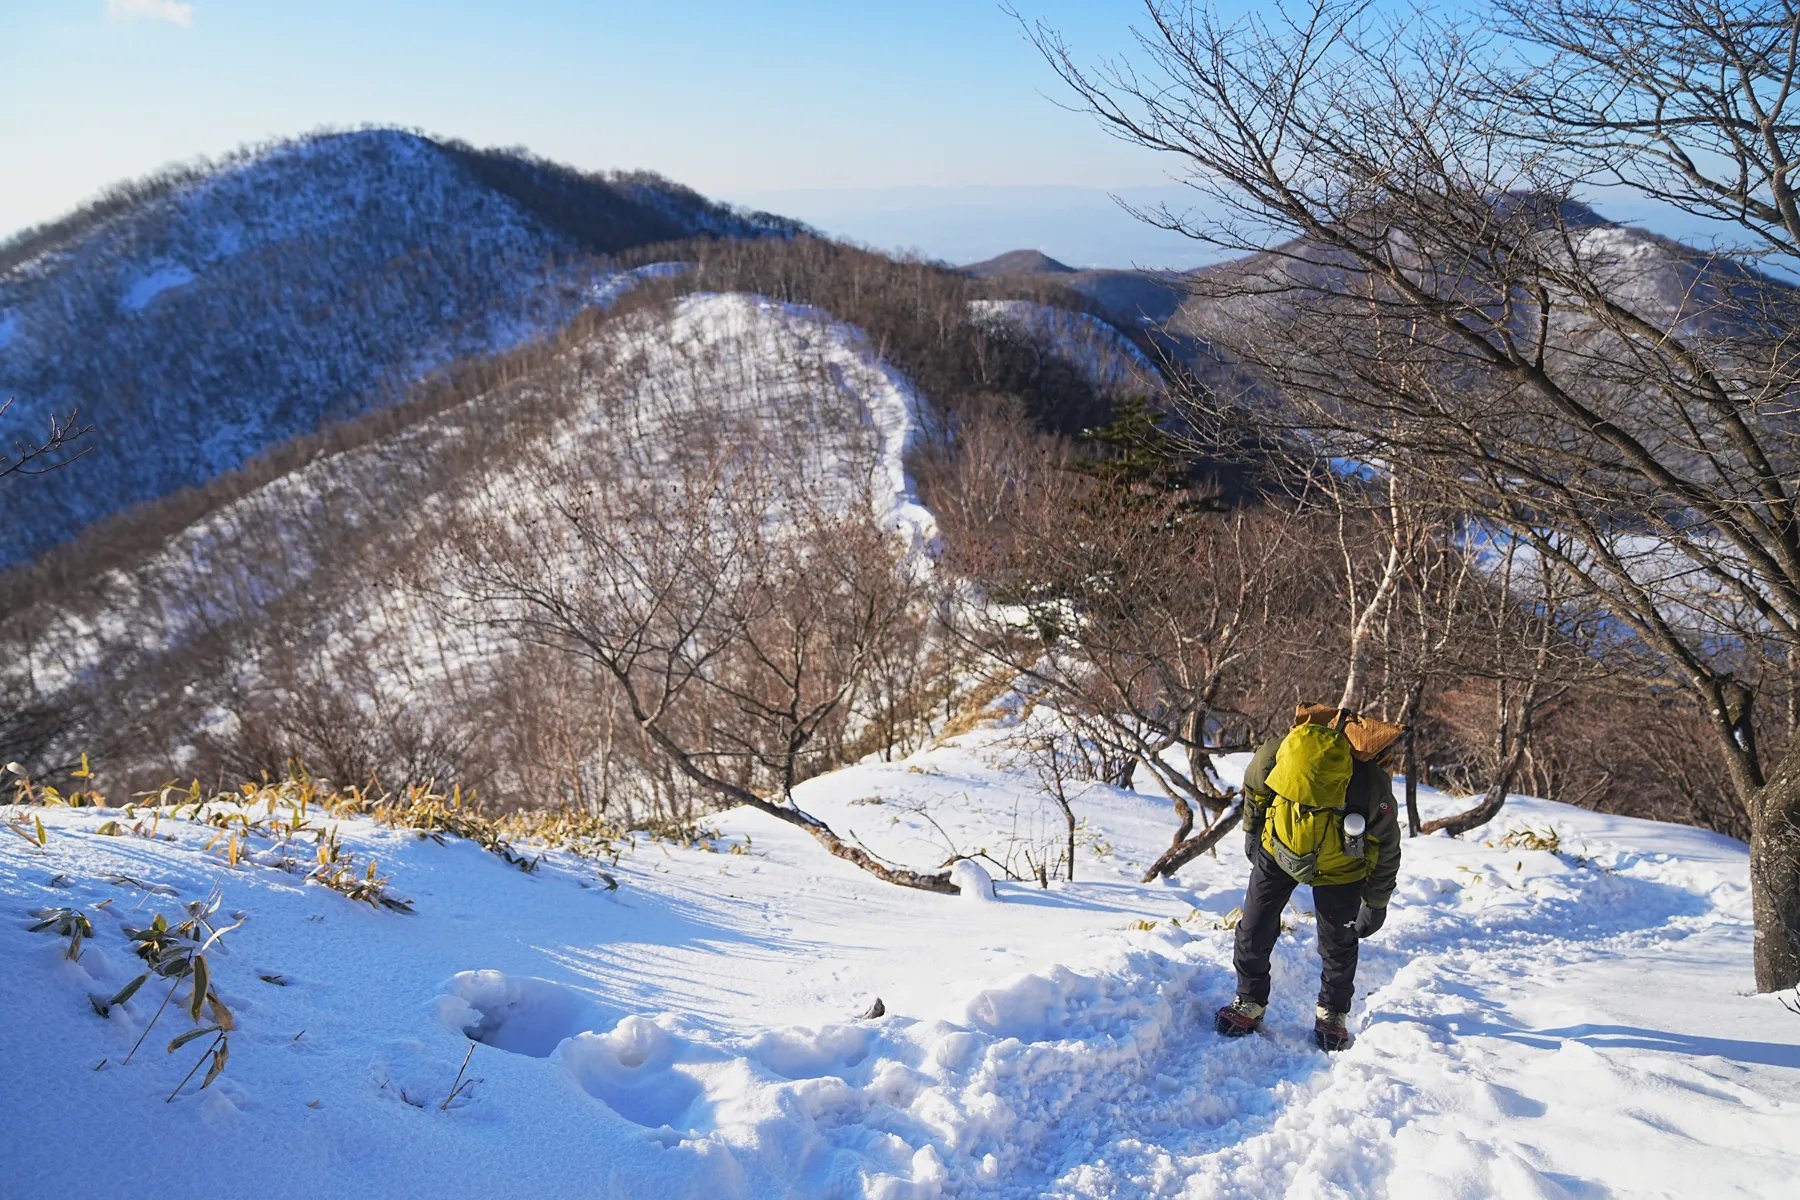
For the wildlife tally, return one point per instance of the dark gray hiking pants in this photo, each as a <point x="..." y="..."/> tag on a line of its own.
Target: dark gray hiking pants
<point x="1264" y="897"/>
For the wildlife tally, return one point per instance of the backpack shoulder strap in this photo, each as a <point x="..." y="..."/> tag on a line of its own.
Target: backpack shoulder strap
<point x="1359" y="797"/>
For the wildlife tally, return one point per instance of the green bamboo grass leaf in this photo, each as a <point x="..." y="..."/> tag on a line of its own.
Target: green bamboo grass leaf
<point x="128" y="991"/>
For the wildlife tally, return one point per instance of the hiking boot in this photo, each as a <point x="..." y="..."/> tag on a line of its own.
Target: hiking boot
<point x="1240" y="1017"/>
<point x="1330" y="1032"/>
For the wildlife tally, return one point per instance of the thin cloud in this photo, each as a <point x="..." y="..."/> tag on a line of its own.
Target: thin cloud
<point x="171" y="11"/>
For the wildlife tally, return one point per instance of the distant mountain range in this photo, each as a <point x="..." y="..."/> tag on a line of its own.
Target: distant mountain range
<point x="1082" y="226"/>
<point x="201" y="316"/>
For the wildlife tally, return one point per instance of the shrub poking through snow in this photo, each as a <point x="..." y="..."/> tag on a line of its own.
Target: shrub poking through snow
<point x="433" y="815"/>
<point x="33" y="833"/>
<point x="25" y="792"/>
<point x="337" y="871"/>
<point x="460" y="1086"/>
<point x="282" y="811"/>
<point x="178" y="953"/>
<point x="65" y="922"/>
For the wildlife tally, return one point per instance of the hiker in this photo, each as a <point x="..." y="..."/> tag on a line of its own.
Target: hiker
<point x="1318" y="810"/>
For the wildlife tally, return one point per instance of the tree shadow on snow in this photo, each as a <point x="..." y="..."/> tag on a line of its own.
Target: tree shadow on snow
<point x="1616" y="1037"/>
<point x="1628" y="1037"/>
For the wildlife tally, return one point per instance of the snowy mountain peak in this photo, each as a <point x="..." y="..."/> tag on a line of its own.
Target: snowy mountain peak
<point x="199" y="317"/>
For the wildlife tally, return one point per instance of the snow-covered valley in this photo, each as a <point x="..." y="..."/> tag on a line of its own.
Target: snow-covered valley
<point x="1531" y="1023"/>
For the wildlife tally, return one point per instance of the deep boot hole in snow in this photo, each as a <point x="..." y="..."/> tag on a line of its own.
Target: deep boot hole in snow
<point x="517" y="1013"/>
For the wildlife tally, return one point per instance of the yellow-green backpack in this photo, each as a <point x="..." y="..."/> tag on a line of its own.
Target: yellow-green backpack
<point x="1304" y="830"/>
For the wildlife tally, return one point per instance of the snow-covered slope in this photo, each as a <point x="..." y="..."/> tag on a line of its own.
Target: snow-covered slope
<point x="1104" y="356"/>
<point x="223" y="311"/>
<point x="299" y="575"/>
<point x="1530" y="1023"/>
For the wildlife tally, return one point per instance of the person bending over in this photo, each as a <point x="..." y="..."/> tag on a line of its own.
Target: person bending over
<point x="1318" y="810"/>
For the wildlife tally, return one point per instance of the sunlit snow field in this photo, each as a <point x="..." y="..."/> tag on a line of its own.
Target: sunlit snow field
<point x="1529" y="1023"/>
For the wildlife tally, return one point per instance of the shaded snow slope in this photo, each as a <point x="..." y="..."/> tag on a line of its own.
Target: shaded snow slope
<point x="1530" y="1024"/>
<point x="1103" y="355"/>
<point x="220" y="314"/>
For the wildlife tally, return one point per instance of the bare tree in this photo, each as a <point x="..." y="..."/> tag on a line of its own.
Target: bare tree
<point x="1449" y="309"/>
<point x="1690" y="102"/>
<point x="1425" y="625"/>
<point x="28" y="458"/>
<point x="1538" y="645"/>
<point x="735" y="612"/>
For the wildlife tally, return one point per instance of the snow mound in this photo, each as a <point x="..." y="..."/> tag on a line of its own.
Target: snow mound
<point x="973" y="881"/>
<point x="632" y="1071"/>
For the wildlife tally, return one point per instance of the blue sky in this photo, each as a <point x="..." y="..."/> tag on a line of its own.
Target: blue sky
<point x="828" y="105"/>
<point x="928" y="124"/>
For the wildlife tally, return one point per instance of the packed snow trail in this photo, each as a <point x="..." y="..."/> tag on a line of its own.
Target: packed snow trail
<point x="1530" y="1023"/>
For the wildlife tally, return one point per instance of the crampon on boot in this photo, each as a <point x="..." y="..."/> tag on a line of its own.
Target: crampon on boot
<point x="1239" y="1017"/>
<point x="1329" y="1031"/>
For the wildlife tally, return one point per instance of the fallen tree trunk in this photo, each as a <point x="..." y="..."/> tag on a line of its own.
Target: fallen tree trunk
<point x="1188" y="849"/>
<point x="821" y="832"/>
<point x="928" y="882"/>
<point x="1474" y="818"/>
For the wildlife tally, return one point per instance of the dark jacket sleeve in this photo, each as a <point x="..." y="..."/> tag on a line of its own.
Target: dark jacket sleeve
<point x="1384" y="832"/>
<point x="1256" y="791"/>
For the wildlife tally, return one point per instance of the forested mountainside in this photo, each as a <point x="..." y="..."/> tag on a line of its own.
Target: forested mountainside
<point x="1661" y="280"/>
<point x="202" y="316"/>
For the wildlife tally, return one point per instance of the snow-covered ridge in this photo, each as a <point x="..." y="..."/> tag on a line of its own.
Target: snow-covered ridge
<point x="1531" y="1023"/>
<point x="1106" y="357"/>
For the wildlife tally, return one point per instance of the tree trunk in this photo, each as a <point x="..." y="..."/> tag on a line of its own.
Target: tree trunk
<point x="1773" y="802"/>
<point x="1511" y="759"/>
<point x="1069" y="819"/>
<point x="1775" y="875"/>
<point x="1188" y="849"/>
<point x="1409" y="718"/>
<point x="935" y="882"/>
<point x="1185" y="811"/>
<point x="684" y="762"/>
<point x="1413" y="828"/>
<point x="1473" y="818"/>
